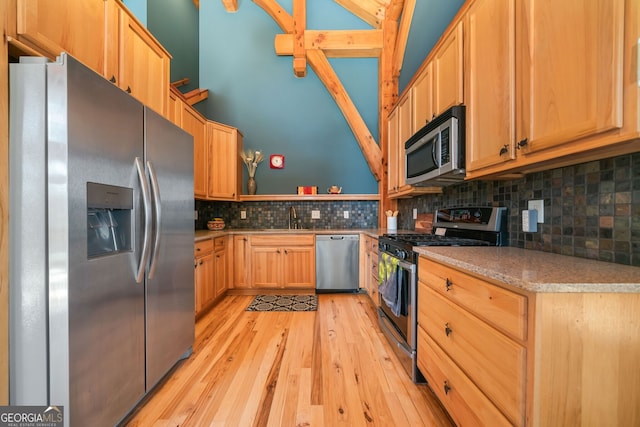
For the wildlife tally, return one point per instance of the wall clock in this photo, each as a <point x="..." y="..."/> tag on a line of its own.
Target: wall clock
<point x="276" y="161"/>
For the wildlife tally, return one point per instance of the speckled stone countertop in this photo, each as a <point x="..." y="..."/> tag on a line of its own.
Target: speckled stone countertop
<point x="206" y="234"/>
<point x="537" y="271"/>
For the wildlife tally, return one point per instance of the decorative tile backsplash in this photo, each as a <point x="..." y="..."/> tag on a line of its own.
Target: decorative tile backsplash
<point x="362" y="214"/>
<point x="591" y="210"/>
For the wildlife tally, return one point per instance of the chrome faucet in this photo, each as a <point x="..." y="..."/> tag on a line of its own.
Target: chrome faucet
<point x="293" y="218"/>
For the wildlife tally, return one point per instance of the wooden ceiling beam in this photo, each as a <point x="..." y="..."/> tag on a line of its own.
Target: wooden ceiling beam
<point x="323" y="69"/>
<point x="281" y="16"/>
<point x="299" y="26"/>
<point x="335" y="43"/>
<point x="370" y="11"/>
<point x="230" y="5"/>
<point x="403" y="35"/>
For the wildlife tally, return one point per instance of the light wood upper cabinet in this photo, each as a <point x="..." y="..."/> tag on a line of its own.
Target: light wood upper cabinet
<point x="400" y="129"/>
<point x="73" y="26"/>
<point x="195" y="124"/>
<point x="448" y="78"/>
<point x="143" y="64"/>
<point x="392" y="150"/>
<point x="422" y="97"/>
<point x="490" y="83"/>
<point x="550" y="84"/>
<point x="174" y="108"/>
<point x="224" y="171"/>
<point x="571" y="66"/>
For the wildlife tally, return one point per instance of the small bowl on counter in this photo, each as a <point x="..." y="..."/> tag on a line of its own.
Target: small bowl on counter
<point x="215" y="224"/>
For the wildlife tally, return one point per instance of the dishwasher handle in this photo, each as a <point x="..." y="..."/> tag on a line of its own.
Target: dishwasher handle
<point x="337" y="237"/>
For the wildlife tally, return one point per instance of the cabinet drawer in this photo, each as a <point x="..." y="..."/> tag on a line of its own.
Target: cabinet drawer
<point x="466" y="404"/>
<point x="495" y="363"/>
<point x="505" y="310"/>
<point x="219" y="243"/>
<point x="203" y="247"/>
<point x="283" y="240"/>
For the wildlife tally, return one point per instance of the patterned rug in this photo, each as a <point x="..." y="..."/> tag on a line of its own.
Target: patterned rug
<point x="284" y="303"/>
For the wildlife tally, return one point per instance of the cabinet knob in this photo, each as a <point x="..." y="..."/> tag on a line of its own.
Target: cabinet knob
<point x="447" y="329"/>
<point x="128" y="89"/>
<point x="112" y="79"/>
<point x="286" y="252"/>
<point x="201" y="262"/>
<point x="198" y="249"/>
<point x="447" y="388"/>
<point x="504" y="150"/>
<point x="522" y="144"/>
<point x="449" y="284"/>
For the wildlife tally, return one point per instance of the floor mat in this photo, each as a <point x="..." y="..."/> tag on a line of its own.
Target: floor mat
<point x="284" y="303"/>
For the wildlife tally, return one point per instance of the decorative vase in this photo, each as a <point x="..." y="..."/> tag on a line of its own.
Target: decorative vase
<point x="252" y="187"/>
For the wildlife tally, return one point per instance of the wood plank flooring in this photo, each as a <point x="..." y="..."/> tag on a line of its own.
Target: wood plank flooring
<point x="326" y="368"/>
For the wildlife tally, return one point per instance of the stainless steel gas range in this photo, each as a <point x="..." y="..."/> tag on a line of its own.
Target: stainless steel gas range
<point x="398" y="311"/>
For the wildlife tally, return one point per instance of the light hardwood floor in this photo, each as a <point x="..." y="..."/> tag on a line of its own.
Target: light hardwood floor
<point x="326" y="368"/>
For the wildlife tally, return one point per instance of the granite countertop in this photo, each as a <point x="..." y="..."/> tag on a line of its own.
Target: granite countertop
<point x="206" y="234"/>
<point x="537" y="271"/>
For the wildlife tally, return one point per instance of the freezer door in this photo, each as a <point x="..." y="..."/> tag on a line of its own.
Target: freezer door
<point x="96" y="307"/>
<point x="170" y="283"/>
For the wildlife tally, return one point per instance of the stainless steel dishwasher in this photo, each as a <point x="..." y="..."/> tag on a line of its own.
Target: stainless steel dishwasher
<point x="337" y="263"/>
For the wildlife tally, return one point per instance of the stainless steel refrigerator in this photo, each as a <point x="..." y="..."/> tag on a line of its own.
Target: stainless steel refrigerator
<point x="101" y="243"/>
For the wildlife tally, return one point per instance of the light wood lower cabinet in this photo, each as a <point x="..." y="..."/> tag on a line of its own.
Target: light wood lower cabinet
<point x="220" y="266"/>
<point x="241" y="262"/>
<point x="497" y="355"/>
<point x="211" y="272"/>
<point x="369" y="267"/>
<point x="283" y="261"/>
<point x="204" y="265"/>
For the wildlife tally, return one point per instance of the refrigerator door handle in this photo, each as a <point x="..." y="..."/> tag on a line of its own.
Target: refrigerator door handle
<point x="146" y="201"/>
<point x="158" y="212"/>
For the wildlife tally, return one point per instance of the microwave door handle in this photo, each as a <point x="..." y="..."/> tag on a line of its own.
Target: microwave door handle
<point x="435" y="151"/>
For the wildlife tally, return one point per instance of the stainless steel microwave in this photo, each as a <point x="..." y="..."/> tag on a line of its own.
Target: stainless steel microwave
<point x="435" y="154"/>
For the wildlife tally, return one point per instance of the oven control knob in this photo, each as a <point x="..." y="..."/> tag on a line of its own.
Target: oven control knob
<point x="401" y="254"/>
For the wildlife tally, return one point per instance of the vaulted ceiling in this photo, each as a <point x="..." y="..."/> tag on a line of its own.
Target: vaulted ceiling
<point x="386" y="40"/>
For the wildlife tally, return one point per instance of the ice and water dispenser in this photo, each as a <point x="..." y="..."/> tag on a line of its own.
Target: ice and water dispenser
<point x="109" y="215"/>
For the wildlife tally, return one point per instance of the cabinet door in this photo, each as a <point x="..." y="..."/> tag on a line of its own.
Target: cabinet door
<point x="392" y="151"/>
<point x="400" y="129"/>
<point x="448" y="72"/>
<point x="299" y="267"/>
<point x="405" y="131"/>
<point x="423" y="98"/>
<point x="490" y="79"/>
<point x="266" y="267"/>
<point x="194" y="123"/>
<point x="220" y="274"/>
<point x="241" y="262"/>
<point x="570" y="80"/>
<point x="174" y="109"/>
<point x="73" y="26"/>
<point x="143" y="64"/>
<point x="224" y="157"/>
<point x="204" y="292"/>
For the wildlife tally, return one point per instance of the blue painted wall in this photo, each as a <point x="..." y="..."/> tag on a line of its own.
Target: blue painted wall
<point x="253" y="89"/>
<point x="138" y="8"/>
<point x="183" y="42"/>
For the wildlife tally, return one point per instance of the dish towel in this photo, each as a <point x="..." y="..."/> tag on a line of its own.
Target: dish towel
<point x="389" y="283"/>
